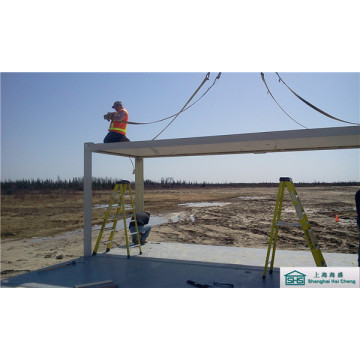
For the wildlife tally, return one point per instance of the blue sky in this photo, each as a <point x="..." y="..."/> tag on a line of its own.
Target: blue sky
<point x="47" y="117"/>
<point x="64" y="66"/>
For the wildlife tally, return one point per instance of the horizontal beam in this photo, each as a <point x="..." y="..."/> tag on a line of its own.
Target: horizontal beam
<point x="346" y="137"/>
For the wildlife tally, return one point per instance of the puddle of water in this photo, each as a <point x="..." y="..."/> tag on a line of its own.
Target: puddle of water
<point x="252" y="197"/>
<point x="205" y="204"/>
<point x="154" y="221"/>
<point x="307" y="211"/>
<point x="105" y="206"/>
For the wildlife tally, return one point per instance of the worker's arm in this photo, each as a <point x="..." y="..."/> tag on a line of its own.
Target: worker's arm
<point x="115" y="116"/>
<point x="118" y="116"/>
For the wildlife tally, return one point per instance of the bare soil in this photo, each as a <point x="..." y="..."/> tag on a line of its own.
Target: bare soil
<point x="40" y="230"/>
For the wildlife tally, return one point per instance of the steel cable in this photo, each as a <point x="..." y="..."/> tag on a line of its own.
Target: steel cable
<point x="313" y="106"/>
<point x="263" y="79"/>
<point x="193" y="95"/>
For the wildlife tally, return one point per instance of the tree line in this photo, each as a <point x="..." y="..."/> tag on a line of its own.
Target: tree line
<point x="9" y="187"/>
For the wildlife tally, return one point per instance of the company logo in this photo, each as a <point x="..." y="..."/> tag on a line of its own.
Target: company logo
<point x="295" y="278"/>
<point x="335" y="277"/>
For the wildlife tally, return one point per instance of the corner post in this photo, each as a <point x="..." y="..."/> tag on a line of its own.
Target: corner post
<point x="87" y="198"/>
<point x="139" y="184"/>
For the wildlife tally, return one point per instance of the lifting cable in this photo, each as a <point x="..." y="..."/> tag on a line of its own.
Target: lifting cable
<point x="313" y="106"/>
<point x="182" y="110"/>
<point x="169" y="117"/>
<point x="184" y="107"/>
<point x="218" y="77"/>
<point x="269" y="92"/>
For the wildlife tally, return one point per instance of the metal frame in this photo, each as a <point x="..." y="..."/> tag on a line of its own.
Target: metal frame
<point x="347" y="137"/>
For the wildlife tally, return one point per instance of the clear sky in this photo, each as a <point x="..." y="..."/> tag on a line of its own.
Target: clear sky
<point x="47" y="117"/>
<point x="64" y="66"/>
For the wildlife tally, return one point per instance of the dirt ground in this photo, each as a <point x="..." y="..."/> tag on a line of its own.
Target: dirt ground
<point x="40" y="230"/>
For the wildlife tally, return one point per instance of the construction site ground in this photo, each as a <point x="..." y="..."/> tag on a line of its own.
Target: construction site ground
<point x="222" y="217"/>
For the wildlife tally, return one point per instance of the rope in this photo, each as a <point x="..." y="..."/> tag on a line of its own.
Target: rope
<point x="218" y="77"/>
<point x="263" y="79"/>
<point x="169" y="117"/>
<point x="182" y="110"/>
<point x="132" y="165"/>
<point x="203" y="82"/>
<point x="313" y="106"/>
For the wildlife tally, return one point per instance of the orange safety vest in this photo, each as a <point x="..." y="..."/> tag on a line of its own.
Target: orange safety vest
<point x="120" y="126"/>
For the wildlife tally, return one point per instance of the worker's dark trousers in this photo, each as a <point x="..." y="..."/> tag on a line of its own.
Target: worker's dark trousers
<point x="358" y="224"/>
<point x="115" y="137"/>
<point x="144" y="231"/>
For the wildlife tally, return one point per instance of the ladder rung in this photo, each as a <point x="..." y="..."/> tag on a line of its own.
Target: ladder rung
<point x="111" y="221"/>
<point x="119" y="207"/>
<point x="122" y="182"/>
<point x="282" y="223"/>
<point x="120" y="217"/>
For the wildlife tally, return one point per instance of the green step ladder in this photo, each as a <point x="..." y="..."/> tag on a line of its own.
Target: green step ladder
<point x="121" y="189"/>
<point x="286" y="182"/>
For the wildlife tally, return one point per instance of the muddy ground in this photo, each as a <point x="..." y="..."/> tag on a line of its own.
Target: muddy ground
<point x="40" y="230"/>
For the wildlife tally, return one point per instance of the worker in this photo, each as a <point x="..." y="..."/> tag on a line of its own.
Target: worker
<point x="119" y="119"/>
<point x="142" y="219"/>
<point x="357" y="204"/>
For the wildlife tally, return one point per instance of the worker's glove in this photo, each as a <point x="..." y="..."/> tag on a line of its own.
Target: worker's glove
<point x="108" y="116"/>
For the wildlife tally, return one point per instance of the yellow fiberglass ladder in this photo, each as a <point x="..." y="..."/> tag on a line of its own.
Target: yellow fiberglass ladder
<point x="121" y="191"/>
<point x="286" y="182"/>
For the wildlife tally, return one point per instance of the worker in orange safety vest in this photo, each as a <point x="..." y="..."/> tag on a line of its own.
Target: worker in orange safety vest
<point x="119" y="119"/>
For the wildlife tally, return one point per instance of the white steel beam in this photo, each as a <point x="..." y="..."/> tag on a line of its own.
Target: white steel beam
<point x="87" y="198"/>
<point x="346" y="137"/>
<point x="139" y="184"/>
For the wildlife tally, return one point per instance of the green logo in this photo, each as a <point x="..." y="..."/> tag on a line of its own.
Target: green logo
<point x="295" y="278"/>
